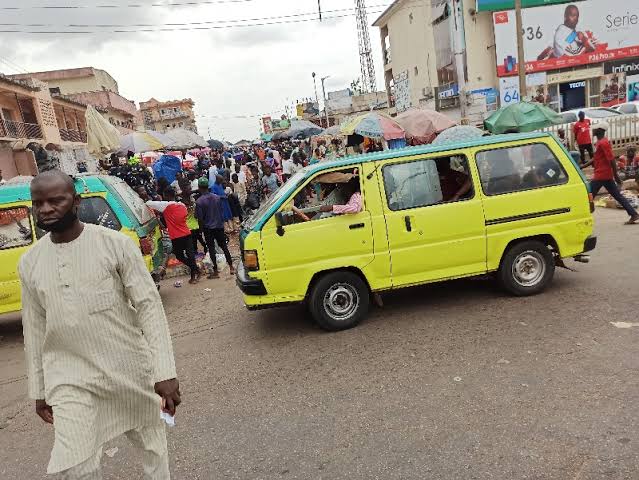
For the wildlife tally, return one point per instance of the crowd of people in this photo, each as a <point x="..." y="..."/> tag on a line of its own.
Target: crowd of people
<point x="207" y="203"/>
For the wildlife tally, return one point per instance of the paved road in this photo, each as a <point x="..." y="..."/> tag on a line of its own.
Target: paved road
<point x="452" y="381"/>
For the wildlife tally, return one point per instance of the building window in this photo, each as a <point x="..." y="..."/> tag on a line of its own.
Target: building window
<point x="416" y="71"/>
<point x="54" y="90"/>
<point x="410" y="18"/>
<point x="594" y="92"/>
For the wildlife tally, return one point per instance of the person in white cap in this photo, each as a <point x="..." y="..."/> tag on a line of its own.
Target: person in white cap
<point x="606" y="174"/>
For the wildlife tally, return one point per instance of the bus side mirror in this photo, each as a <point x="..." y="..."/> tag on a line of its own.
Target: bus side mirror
<point x="279" y="221"/>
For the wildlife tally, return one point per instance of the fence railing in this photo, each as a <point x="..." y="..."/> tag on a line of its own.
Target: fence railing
<point x="11" y="129"/>
<point x="623" y="132"/>
<point x="73" y="136"/>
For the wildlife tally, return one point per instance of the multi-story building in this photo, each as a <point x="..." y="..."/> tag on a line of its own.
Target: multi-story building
<point x="418" y="53"/>
<point x="91" y="86"/>
<point x="576" y="54"/>
<point x="163" y="116"/>
<point x="30" y="114"/>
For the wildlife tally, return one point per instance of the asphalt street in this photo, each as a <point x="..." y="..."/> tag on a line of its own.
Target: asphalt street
<point x="447" y="381"/>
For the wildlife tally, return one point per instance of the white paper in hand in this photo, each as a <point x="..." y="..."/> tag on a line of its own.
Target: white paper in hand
<point x="168" y="419"/>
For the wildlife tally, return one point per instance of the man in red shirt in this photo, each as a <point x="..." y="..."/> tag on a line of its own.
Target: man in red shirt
<point x="581" y="129"/>
<point x="175" y="214"/>
<point x="606" y="175"/>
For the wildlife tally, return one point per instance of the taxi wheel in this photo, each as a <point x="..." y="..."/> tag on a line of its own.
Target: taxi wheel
<point x="527" y="268"/>
<point x="339" y="301"/>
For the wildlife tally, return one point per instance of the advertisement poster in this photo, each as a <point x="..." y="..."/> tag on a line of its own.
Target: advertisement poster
<point x="633" y="88"/>
<point x="613" y="89"/>
<point x="561" y="36"/>
<point x="266" y="125"/>
<point x="509" y="91"/>
<point x="402" y="92"/>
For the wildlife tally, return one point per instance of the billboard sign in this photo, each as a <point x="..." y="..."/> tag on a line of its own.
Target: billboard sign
<point x="560" y="36"/>
<point x="497" y="5"/>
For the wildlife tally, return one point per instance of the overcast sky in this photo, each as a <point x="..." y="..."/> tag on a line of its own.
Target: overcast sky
<point x="249" y="70"/>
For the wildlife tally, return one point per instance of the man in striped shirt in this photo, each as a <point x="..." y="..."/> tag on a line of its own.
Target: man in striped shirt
<point x="98" y="348"/>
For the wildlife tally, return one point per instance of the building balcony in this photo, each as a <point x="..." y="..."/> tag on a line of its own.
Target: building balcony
<point x="11" y="129"/>
<point x="173" y="115"/>
<point x="73" y="136"/>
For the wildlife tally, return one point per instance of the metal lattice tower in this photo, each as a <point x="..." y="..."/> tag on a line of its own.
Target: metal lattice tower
<point x="369" y="82"/>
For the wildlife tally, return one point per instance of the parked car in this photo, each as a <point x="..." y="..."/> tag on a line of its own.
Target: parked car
<point x="630" y="108"/>
<point x="524" y="206"/>
<point x="106" y="201"/>
<point x="593" y="113"/>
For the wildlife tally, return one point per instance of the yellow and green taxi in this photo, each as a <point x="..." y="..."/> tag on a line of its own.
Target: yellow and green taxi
<point x="512" y="205"/>
<point x="106" y="201"/>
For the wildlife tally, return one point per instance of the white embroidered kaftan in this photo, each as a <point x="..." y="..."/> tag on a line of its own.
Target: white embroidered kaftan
<point x="96" y="340"/>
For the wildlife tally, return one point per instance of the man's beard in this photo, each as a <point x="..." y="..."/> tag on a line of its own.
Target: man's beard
<point x="59" y="226"/>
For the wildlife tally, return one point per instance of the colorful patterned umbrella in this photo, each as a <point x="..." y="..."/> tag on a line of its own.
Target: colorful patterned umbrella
<point x="375" y="125"/>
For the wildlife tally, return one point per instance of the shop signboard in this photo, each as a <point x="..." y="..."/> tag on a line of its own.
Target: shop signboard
<point x="497" y="5"/>
<point x="510" y="93"/>
<point x="560" y="36"/>
<point x="629" y="67"/>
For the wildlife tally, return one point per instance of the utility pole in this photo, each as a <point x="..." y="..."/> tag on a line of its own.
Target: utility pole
<point x="459" y="47"/>
<point x="324" y="98"/>
<point x="316" y="96"/>
<point x="521" y="60"/>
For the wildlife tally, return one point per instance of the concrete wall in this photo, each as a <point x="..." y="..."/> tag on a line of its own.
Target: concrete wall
<point x="7" y="164"/>
<point x="480" y="48"/>
<point x="103" y="79"/>
<point x="9" y="103"/>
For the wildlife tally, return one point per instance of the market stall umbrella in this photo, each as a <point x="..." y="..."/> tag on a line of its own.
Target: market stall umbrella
<point x="422" y="125"/>
<point x="333" y="131"/>
<point x="183" y="139"/>
<point x="243" y="143"/>
<point x="522" y="117"/>
<point x="215" y="144"/>
<point x="102" y="137"/>
<point x="461" y="133"/>
<point x="281" y="136"/>
<point x="375" y="125"/>
<point x="301" y="129"/>
<point x="160" y="137"/>
<point x="139" y="142"/>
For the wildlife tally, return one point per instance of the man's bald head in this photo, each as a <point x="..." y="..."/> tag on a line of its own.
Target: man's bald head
<point x="53" y="179"/>
<point x="55" y="201"/>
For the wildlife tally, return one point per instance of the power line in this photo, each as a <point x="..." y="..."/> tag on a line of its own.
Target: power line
<point x="152" y="30"/>
<point x="258" y="19"/>
<point x="130" y="5"/>
<point x="11" y="64"/>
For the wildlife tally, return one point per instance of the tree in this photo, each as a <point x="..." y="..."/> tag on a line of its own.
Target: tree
<point x="356" y="86"/>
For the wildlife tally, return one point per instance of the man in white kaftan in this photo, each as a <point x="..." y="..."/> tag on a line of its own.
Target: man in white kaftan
<point x="98" y="347"/>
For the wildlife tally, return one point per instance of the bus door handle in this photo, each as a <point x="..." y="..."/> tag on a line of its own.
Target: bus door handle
<point x="409" y="225"/>
<point x="355" y="226"/>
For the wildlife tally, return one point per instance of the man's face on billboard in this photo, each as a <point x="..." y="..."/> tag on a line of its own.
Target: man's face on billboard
<point x="571" y="17"/>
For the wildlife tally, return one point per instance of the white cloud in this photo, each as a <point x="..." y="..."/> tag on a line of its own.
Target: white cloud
<point x="227" y="72"/>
